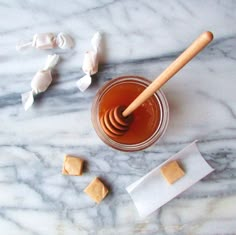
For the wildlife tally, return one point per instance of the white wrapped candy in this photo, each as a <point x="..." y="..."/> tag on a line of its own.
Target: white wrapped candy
<point x="46" y="41"/>
<point x="64" y="41"/>
<point x="40" y="82"/>
<point x="90" y="63"/>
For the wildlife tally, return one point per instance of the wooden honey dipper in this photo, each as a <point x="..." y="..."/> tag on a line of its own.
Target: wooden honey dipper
<point x="116" y="121"/>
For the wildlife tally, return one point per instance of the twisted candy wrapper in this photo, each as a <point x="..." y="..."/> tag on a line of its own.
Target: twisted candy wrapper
<point x="90" y="63"/>
<point x="40" y="82"/>
<point x="48" y="41"/>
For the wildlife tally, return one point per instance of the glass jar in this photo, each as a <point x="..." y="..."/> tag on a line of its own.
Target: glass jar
<point x="150" y="119"/>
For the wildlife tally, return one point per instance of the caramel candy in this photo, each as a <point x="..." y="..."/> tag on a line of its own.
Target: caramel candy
<point x="96" y="190"/>
<point x="72" y="165"/>
<point x="172" y="172"/>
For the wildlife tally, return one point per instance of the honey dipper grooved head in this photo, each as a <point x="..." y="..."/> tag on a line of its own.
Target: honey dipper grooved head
<point x="114" y="123"/>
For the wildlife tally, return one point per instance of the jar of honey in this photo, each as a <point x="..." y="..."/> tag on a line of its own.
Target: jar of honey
<point x="150" y="119"/>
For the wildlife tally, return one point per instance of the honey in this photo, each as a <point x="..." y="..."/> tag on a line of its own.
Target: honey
<point x="146" y="117"/>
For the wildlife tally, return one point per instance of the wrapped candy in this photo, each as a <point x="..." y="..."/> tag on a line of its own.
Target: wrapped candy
<point x="40" y="81"/>
<point x="64" y="41"/>
<point x="90" y="63"/>
<point x="46" y="41"/>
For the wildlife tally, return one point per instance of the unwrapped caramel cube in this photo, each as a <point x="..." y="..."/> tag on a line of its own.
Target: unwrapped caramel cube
<point x="72" y="165"/>
<point x="172" y="172"/>
<point x="96" y="190"/>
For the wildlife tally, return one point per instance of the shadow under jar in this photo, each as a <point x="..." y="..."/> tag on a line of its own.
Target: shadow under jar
<point x="150" y="119"/>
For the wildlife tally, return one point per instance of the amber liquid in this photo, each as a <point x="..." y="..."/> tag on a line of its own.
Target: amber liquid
<point x="146" y="117"/>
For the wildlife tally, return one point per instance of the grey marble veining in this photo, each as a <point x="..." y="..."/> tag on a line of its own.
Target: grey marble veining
<point x="141" y="38"/>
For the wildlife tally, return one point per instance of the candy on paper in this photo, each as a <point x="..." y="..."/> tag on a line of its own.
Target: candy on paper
<point x="40" y="82"/>
<point x="46" y="41"/>
<point x="152" y="191"/>
<point x="90" y="63"/>
<point x="172" y="172"/>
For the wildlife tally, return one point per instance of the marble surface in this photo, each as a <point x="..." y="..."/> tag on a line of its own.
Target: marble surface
<point x="141" y="37"/>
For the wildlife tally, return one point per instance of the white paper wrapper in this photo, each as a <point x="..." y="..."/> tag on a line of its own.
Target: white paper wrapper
<point x="90" y="63"/>
<point x="40" y="82"/>
<point x="152" y="191"/>
<point x="46" y="41"/>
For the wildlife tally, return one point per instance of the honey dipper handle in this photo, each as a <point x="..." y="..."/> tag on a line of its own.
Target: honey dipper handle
<point x="201" y="42"/>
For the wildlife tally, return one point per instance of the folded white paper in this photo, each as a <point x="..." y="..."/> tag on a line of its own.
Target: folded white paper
<point x="152" y="191"/>
<point x="90" y="63"/>
<point x="40" y="82"/>
<point x="46" y="41"/>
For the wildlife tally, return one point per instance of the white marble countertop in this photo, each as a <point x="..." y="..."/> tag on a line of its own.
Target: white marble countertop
<point x="141" y="38"/>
